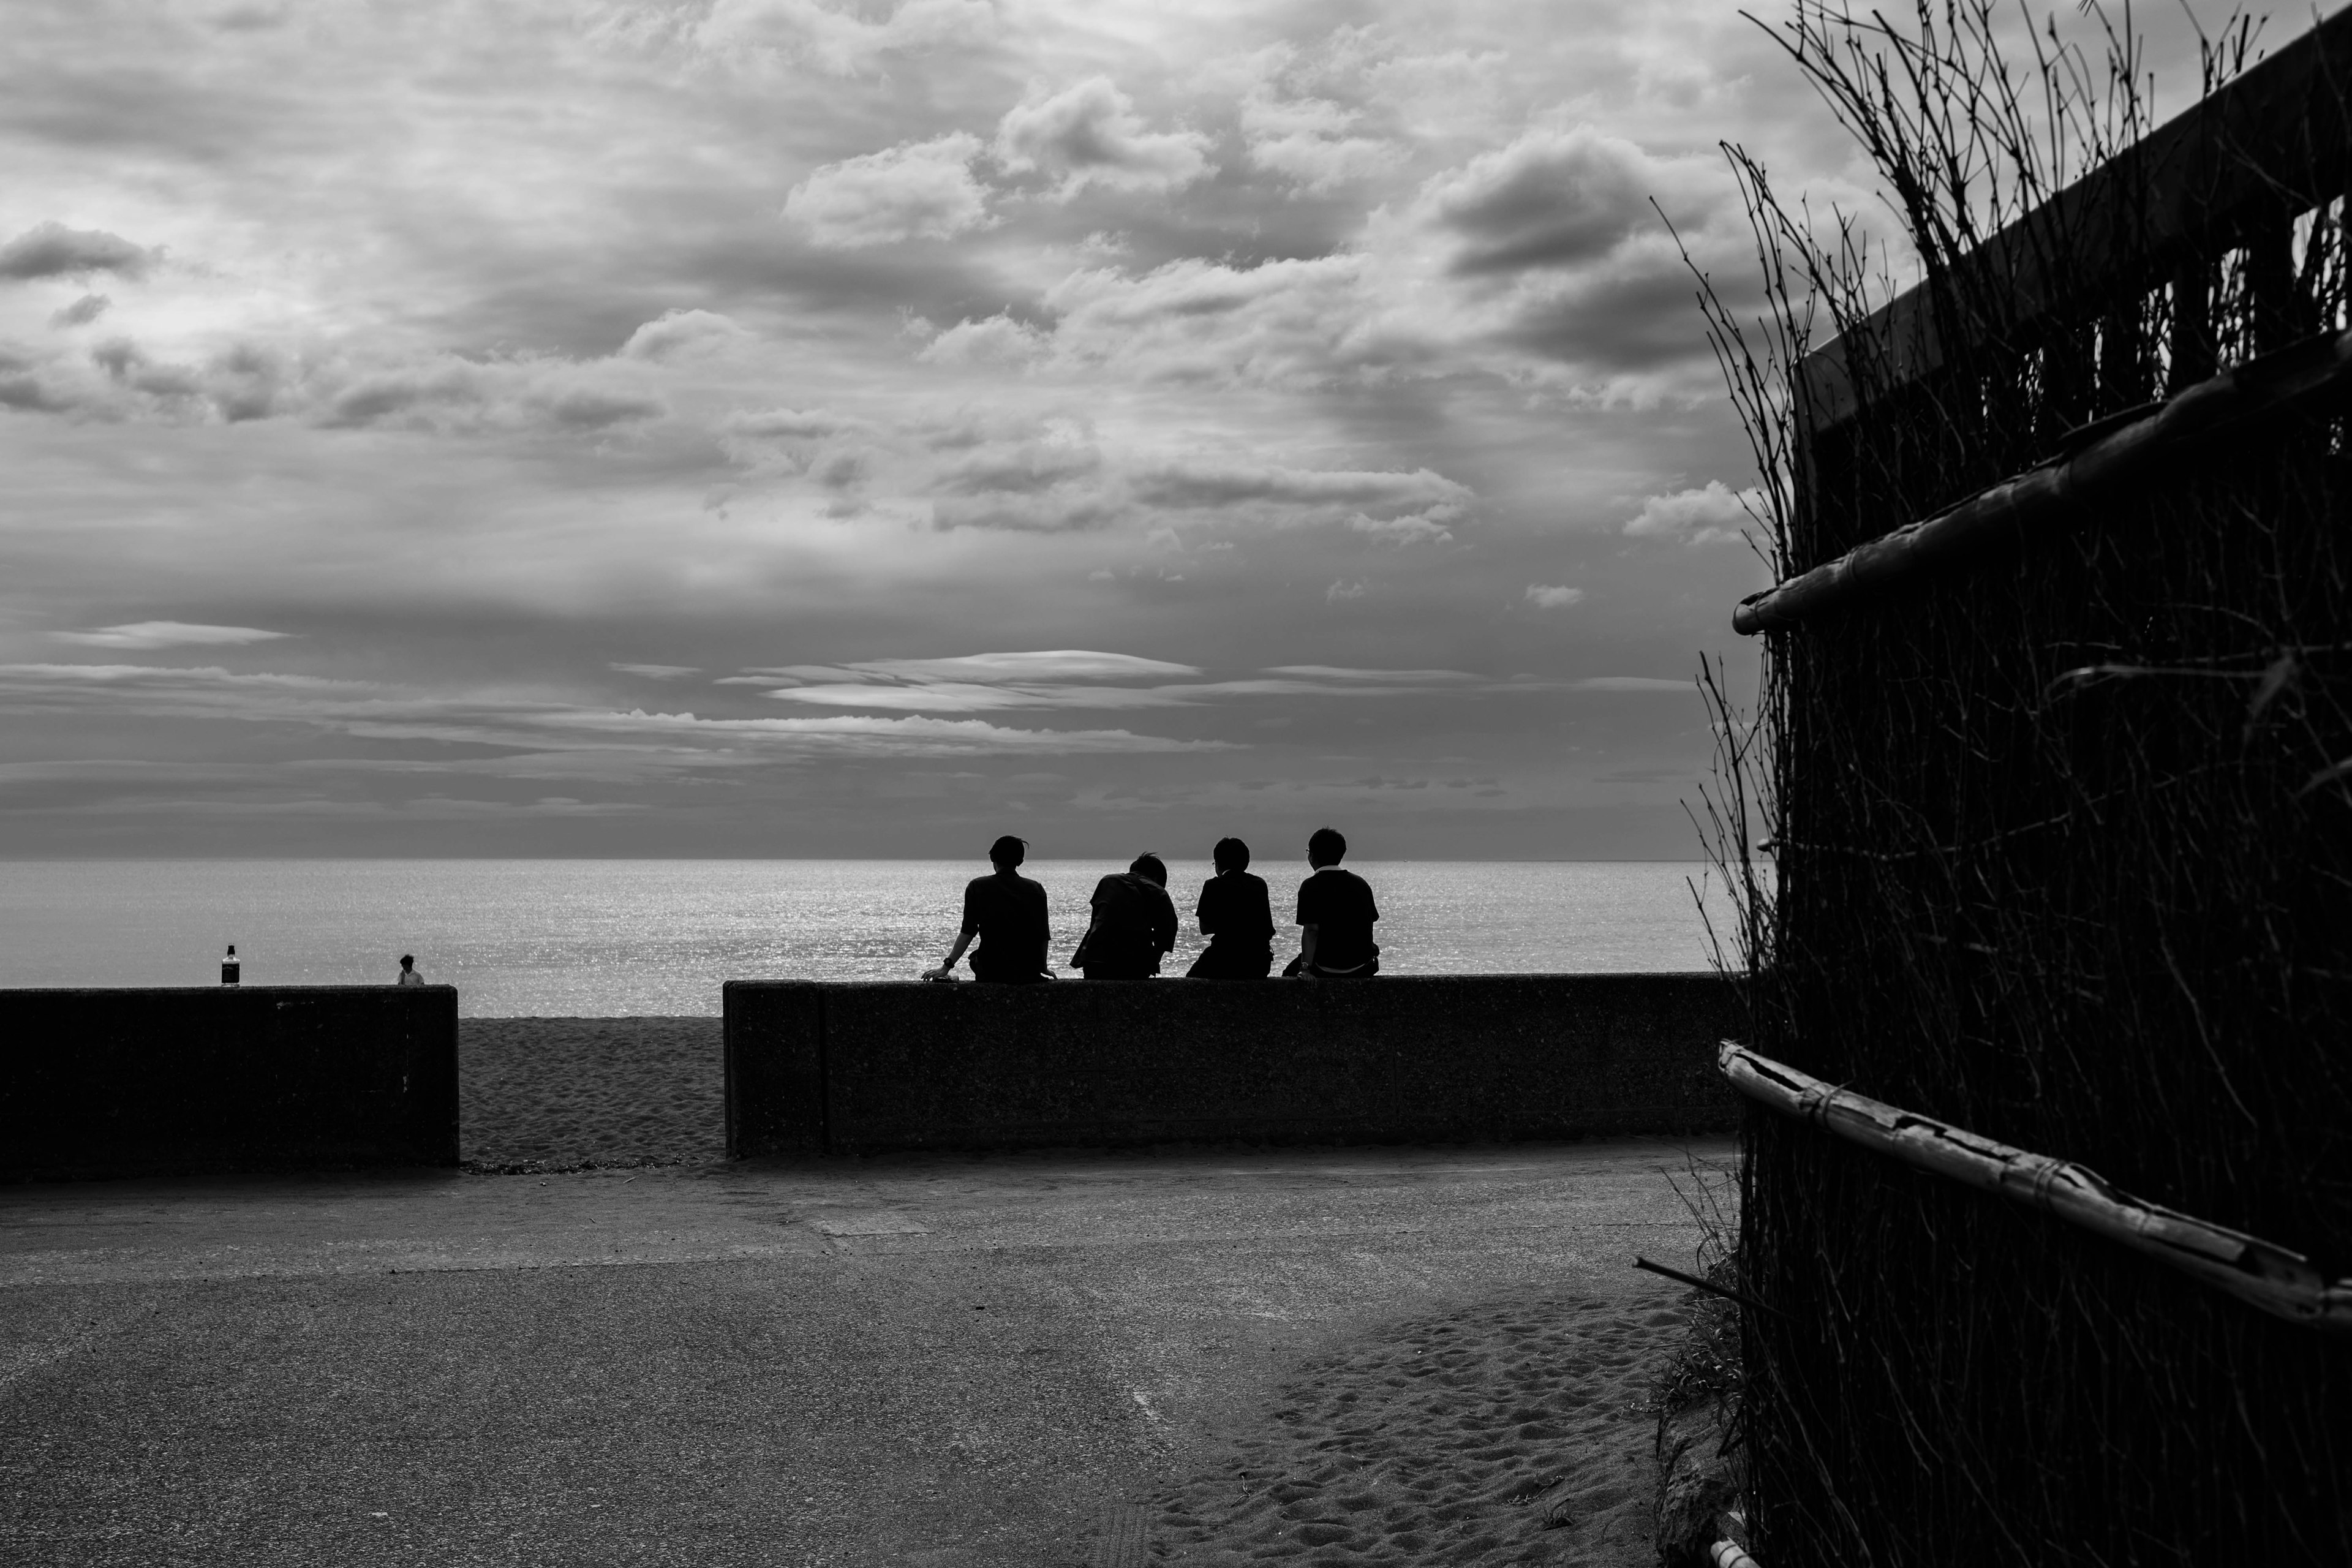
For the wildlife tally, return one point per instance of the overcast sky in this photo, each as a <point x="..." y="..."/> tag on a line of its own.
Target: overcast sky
<point x="775" y="427"/>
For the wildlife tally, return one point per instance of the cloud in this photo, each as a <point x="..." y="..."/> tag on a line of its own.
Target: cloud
<point x="1214" y="484"/>
<point x="923" y="190"/>
<point x="985" y="682"/>
<point x="1089" y="134"/>
<point x="997" y="340"/>
<point x="450" y="395"/>
<point x="82" y="312"/>
<point x="839" y="42"/>
<point x="1308" y="141"/>
<point x="1052" y="664"/>
<point x="789" y="424"/>
<point x="1284" y="324"/>
<point x="1632" y="683"/>
<point x="1564" y="198"/>
<point x="1413" y="528"/>
<point x="1551" y="598"/>
<point x="52" y="250"/>
<point x="650" y="742"/>
<point x="1711" y="514"/>
<point x="677" y="334"/>
<point x="1342" y="591"/>
<point x="145" y="635"/>
<point x="657" y="671"/>
<point x="1343" y="673"/>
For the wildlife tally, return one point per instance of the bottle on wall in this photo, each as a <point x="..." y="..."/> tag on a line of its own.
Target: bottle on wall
<point x="229" y="966"/>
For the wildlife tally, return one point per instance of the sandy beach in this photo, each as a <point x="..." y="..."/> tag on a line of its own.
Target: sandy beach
<point x="568" y="1094"/>
<point x="1507" y="1431"/>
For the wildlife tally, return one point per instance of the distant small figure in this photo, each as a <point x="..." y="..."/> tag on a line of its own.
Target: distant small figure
<point x="1134" y="925"/>
<point x="1236" y="917"/>
<point x="230" y="969"/>
<point x="1335" y="916"/>
<point x="1007" y="912"/>
<point x="408" y="975"/>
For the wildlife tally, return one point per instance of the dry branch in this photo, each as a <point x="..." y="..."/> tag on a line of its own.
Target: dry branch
<point x="2278" y="1282"/>
<point x="2115" y="452"/>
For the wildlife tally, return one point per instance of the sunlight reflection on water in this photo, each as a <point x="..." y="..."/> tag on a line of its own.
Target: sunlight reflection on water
<point x="610" y="937"/>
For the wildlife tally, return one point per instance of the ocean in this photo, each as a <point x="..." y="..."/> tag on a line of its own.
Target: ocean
<point x="619" y="938"/>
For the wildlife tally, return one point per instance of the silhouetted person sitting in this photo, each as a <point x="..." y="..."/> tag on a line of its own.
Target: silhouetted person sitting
<point x="408" y="975"/>
<point x="1133" y="924"/>
<point x="1335" y="916"/>
<point x="1006" y="912"/>
<point x="1235" y="917"/>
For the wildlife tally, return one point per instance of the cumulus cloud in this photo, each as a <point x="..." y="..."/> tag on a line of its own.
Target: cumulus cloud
<point x="997" y="340"/>
<point x="1090" y="134"/>
<point x="1022" y="468"/>
<point x="841" y="42"/>
<point x="924" y="190"/>
<point x="1343" y="590"/>
<point x="52" y="250"/>
<point x="681" y="334"/>
<point x="447" y="394"/>
<point x="1288" y="323"/>
<point x="1552" y="598"/>
<point x="1310" y="141"/>
<point x="142" y="635"/>
<point x="1711" y="514"/>
<point x="1563" y="198"/>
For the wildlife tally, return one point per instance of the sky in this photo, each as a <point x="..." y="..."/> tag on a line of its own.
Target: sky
<point x="771" y="427"/>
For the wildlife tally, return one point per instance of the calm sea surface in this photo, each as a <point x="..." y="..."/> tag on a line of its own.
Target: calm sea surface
<point x="610" y="937"/>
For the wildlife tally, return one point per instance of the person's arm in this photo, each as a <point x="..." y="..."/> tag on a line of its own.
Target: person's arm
<point x="1205" y="911"/>
<point x="963" y="940"/>
<point x="1306" y="954"/>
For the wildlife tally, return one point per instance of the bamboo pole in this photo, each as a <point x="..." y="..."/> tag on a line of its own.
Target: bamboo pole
<point x="2280" y="1282"/>
<point x="2102" y="456"/>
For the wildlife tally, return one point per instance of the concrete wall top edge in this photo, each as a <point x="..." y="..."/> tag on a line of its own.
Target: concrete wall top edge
<point x="53" y="990"/>
<point x="1384" y="982"/>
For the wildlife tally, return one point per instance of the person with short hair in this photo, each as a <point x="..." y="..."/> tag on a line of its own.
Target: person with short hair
<point x="1335" y="914"/>
<point x="1006" y="912"/>
<point x="1134" y="924"/>
<point x="408" y="975"/>
<point x="1237" y="917"/>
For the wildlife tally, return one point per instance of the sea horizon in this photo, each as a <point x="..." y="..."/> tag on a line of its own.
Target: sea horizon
<point x="620" y="936"/>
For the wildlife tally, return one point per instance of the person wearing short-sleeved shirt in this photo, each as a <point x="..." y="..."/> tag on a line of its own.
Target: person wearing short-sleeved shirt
<point x="1237" y="917"/>
<point x="1134" y="924"/>
<point x="1336" y="915"/>
<point x="1006" y="912"/>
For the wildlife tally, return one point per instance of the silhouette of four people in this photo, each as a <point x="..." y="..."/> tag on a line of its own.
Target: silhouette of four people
<point x="1131" y="923"/>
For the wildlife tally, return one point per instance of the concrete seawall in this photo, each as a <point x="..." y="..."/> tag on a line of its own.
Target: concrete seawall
<point x="816" y="1066"/>
<point x="121" y="1082"/>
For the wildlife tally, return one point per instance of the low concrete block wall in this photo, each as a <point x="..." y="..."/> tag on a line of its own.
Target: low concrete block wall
<point x="855" y="1069"/>
<point x="122" y="1082"/>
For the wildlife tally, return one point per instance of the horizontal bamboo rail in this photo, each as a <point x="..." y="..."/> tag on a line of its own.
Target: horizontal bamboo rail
<point x="2266" y="146"/>
<point x="2280" y="1282"/>
<point x="2098" y="460"/>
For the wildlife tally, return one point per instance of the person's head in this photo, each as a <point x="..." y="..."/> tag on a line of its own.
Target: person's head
<point x="1008" y="852"/>
<point x="1230" y="855"/>
<point x="1148" y="867"/>
<point x="408" y="961"/>
<point x="1325" y="847"/>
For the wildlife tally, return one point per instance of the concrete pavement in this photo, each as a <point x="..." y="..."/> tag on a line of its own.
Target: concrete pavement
<point x="936" y="1361"/>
